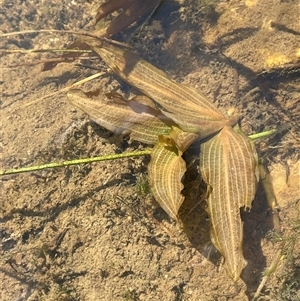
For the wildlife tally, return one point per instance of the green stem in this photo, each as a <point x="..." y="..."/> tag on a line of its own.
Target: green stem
<point x="101" y="158"/>
<point x="75" y="162"/>
<point x="262" y="135"/>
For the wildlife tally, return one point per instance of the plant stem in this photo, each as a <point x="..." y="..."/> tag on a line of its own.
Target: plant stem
<point x="263" y="134"/>
<point x="75" y="162"/>
<point x="101" y="158"/>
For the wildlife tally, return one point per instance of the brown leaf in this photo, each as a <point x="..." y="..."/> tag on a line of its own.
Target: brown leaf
<point x="121" y="116"/>
<point x="228" y="164"/>
<point x="167" y="168"/>
<point x="186" y="106"/>
<point x="133" y="11"/>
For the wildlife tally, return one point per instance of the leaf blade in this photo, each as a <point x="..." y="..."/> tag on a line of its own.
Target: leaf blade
<point x="167" y="168"/>
<point x="117" y="115"/>
<point x="228" y="165"/>
<point x="185" y="105"/>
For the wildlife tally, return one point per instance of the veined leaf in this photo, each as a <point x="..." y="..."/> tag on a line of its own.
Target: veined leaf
<point x="185" y="105"/>
<point x="228" y="164"/>
<point x="202" y="127"/>
<point x="120" y="116"/>
<point x="167" y="168"/>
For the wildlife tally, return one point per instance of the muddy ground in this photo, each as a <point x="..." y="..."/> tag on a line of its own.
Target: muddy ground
<point x="93" y="232"/>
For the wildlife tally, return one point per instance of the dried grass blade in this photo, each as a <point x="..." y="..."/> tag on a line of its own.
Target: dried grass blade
<point x="228" y="163"/>
<point x="167" y="168"/>
<point x="143" y="123"/>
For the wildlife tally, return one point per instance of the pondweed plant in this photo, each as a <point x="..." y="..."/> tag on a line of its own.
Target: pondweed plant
<point x="172" y="116"/>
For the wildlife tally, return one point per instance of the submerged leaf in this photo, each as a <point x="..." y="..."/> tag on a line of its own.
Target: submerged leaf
<point x="186" y="106"/>
<point x="123" y="117"/>
<point x="133" y="11"/>
<point x="228" y="164"/>
<point x="166" y="169"/>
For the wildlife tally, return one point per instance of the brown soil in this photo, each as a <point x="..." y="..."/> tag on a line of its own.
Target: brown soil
<point x="89" y="232"/>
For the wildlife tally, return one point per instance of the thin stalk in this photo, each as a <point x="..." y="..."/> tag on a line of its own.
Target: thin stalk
<point x="101" y="158"/>
<point x="74" y="162"/>
<point x="51" y="50"/>
<point x="262" y="134"/>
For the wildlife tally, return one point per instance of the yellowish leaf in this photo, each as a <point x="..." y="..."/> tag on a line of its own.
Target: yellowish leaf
<point x="228" y="164"/>
<point x="186" y="106"/>
<point x="121" y="116"/>
<point x="167" y="168"/>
